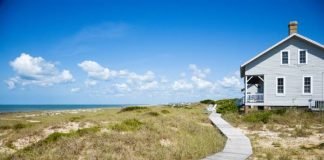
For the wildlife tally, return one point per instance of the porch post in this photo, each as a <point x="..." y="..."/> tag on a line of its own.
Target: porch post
<point x="245" y="96"/>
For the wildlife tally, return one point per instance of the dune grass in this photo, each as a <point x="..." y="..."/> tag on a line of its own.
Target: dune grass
<point x="282" y="134"/>
<point x="136" y="133"/>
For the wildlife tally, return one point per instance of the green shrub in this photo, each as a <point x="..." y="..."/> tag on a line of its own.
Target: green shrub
<point x="226" y="105"/>
<point x="258" y="116"/>
<point x="154" y="114"/>
<point x="208" y="101"/>
<point x="80" y="132"/>
<point x="127" y="125"/>
<point x="276" y="144"/>
<point x="20" y="126"/>
<point x="4" y="127"/>
<point x="164" y="111"/>
<point x="279" y="111"/>
<point x="76" y="118"/>
<point x="55" y="136"/>
<point x="301" y="132"/>
<point x="90" y="130"/>
<point x="132" y="108"/>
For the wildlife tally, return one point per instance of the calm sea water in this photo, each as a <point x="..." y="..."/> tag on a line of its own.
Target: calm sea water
<point x="26" y="108"/>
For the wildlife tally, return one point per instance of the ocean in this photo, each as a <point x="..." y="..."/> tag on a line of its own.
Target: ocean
<point x="42" y="107"/>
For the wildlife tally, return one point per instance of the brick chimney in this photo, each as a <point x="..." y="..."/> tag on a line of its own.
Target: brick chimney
<point x="292" y="27"/>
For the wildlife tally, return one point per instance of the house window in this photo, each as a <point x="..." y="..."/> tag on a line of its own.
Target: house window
<point x="284" y="57"/>
<point x="280" y="86"/>
<point x="307" y="89"/>
<point x="302" y="57"/>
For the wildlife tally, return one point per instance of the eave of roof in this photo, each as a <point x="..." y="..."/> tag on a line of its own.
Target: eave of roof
<point x="277" y="44"/>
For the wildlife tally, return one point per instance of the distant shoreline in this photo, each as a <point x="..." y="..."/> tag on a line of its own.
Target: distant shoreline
<point x="13" y="108"/>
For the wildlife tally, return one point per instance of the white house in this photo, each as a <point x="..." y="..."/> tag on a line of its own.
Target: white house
<point x="289" y="73"/>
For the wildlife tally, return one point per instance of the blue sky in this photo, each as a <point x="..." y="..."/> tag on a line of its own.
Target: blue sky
<point x="96" y="52"/>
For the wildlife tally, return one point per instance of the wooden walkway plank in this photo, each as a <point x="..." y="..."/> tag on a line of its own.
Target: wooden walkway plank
<point x="237" y="147"/>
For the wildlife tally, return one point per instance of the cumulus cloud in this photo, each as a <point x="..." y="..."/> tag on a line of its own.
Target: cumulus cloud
<point x="201" y="83"/>
<point x="231" y="82"/>
<point x="95" y="70"/>
<point x="148" y="76"/>
<point x="200" y="73"/>
<point x="90" y="82"/>
<point x="181" y="85"/>
<point x="122" y="87"/>
<point x="130" y="80"/>
<point x="36" y="71"/>
<point x="148" y="85"/>
<point x="197" y="79"/>
<point x="73" y="90"/>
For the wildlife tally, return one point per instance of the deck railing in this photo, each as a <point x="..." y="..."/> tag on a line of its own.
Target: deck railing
<point x="317" y="105"/>
<point x="255" y="98"/>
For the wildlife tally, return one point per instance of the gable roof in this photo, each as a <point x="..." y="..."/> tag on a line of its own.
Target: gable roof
<point x="277" y="44"/>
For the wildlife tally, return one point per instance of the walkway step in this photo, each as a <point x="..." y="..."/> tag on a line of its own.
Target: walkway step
<point x="237" y="147"/>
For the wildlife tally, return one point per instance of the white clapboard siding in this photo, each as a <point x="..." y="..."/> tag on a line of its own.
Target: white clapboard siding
<point x="269" y="65"/>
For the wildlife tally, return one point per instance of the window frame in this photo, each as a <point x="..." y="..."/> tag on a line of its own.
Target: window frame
<point x="306" y="56"/>
<point x="311" y="85"/>
<point x="284" y="86"/>
<point x="281" y="55"/>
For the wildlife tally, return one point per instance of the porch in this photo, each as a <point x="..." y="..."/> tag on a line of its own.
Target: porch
<point x="253" y="90"/>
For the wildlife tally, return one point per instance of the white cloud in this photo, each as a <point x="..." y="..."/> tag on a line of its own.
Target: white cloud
<point x="126" y="81"/>
<point x="196" y="83"/>
<point x="148" y="76"/>
<point x="36" y="71"/>
<point x="10" y="84"/>
<point x="122" y="87"/>
<point x="201" y="83"/>
<point x="95" y="70"/>
<point x="231" y="82"/>
<point x="73" y="90"/>
<point x="90" y="82"/>
<point x="181" y="85"/>
<point x="148" y="85"/>
<point x="164" y="79"/>
<point x="200" y="73"/>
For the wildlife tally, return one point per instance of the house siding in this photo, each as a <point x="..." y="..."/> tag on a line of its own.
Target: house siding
<point x="270" y="66"/>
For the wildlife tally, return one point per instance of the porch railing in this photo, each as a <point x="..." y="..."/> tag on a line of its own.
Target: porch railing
<point x="255" y="98"/>
<point x="316" y="105"/>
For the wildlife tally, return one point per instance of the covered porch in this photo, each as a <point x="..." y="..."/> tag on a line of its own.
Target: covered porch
<point x="254" y="89"/>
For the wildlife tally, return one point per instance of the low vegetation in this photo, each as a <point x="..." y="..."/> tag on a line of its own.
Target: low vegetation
<point x="282" y="133"/>
<point x="208" y="101"/>
<point x="133" y="108"/>
<point x="136" y="132"/>
<point x="127" y="125"/>
<point x="164" y="111"/>
<point x="226" y="106"/>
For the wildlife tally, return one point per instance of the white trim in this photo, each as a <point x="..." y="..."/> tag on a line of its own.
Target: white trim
<point x="280" y="42"/>
<point x="249" y="78"/>
<point x="311" y="85"/>
<point x="261" y="78"/>
<point x="288" y="57"/>
<point x="306" y="56"/>
<point x="245" y="80"/>
<point x="284" y="86"/>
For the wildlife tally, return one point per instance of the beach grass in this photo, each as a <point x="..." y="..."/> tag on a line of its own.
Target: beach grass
<point x="130" y="133"/>
<point x="282" y="133"/>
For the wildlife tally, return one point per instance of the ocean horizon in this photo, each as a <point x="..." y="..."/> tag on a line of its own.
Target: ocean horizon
<point x="4" y="108"/>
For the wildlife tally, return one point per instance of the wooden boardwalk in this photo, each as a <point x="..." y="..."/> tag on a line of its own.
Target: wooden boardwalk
<point x="237" y="147"/>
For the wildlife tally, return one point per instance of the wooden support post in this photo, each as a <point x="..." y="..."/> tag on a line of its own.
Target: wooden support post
<point x="246" y="109"/>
